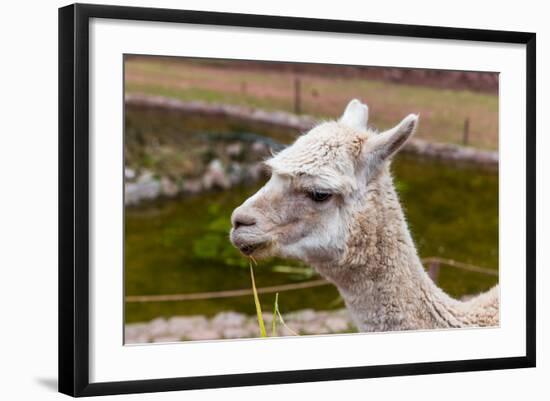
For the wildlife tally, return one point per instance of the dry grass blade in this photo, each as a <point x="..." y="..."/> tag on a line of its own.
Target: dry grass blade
<point x="278" y="313"/>
<point x="274" y="318"/>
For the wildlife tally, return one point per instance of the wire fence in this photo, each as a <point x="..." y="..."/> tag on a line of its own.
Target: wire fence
<point x="433" y="263"/>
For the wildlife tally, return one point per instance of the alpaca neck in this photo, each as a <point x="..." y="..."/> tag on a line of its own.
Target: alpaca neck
<point x="381" y="277"/>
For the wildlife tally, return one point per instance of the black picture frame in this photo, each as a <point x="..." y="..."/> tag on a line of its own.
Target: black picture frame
<point x="74" y="198"/>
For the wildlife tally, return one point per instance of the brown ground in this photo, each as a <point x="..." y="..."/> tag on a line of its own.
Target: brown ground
<point x="325" y="91"/>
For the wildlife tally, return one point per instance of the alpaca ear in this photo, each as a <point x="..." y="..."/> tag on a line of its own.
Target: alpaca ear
<point x="384" y="145"/>
<point x="356" y="115"/>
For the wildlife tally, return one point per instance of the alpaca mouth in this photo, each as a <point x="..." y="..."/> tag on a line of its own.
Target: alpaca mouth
<point x="249" y="249"/>
<point x="247" y="240"/>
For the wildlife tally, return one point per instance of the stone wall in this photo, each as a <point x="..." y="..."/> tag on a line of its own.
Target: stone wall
<point x="301" y="123"/>
<point x="234" y="158"/>
<point x="231" y="325"/>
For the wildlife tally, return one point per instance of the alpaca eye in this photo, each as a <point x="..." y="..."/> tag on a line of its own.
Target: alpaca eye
<point x="319" y="196"/>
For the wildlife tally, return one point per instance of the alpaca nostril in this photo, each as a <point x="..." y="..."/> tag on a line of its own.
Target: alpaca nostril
<point x="243" y="220"/>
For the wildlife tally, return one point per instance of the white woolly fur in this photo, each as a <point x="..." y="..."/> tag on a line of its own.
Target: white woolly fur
<point x="358" y="237"/>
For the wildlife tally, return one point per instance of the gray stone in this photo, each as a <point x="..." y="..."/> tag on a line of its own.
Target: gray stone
<point x="237" y="332"/>
<point x="134" y="329"/>
<point x="336" y="324"/>
<point x="158" y="327"/>
<point x="146" y="187"/>
<point x="145" y="177"/>
<point x="168" y="188"/>
<point x="182" y="325"/>
<point x="252" y="327"/>
<point x="306" y="315"/>
<point x="136" y="333"/>
<point x="314" y="327"/>
<point x="234" y="150"/>
<point x="192" y="186"/>
<point x="229" y="319"/>
<point x="129" y="173"/>
<point x="140" y="339"/>
<point x="215" y="176"/>
<point x="260" y="148"/>
<point x="268" y="317"/>
<point x="166" y="339"/>
<point x="204" y="334"/>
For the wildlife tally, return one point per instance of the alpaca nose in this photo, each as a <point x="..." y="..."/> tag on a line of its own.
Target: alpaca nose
<point x="242" y="219"/>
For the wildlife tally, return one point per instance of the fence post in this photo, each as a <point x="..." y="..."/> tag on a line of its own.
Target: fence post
<point x="466" y="132"/>
<point x="297" y="96"/>
<point x="433" y="270"/>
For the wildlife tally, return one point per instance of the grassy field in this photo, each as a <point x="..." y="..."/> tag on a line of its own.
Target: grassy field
<point x="442" y="112"/>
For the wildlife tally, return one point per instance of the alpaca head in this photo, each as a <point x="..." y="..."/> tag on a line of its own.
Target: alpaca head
<point x="318" y="184"/>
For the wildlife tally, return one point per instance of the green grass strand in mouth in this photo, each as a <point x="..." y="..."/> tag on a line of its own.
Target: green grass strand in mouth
<point x="263" y="333"/>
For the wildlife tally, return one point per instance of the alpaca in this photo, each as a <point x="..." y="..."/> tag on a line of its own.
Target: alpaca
<point x="331" y="203"/>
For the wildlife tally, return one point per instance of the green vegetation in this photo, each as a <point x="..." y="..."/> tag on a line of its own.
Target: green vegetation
<point x="182" y="246"/>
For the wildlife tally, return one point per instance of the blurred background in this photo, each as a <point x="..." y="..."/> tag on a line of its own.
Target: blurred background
<point x="196" y="131"/>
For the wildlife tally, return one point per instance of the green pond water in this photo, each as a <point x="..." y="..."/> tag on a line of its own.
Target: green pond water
<point x="182" y="246"/>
